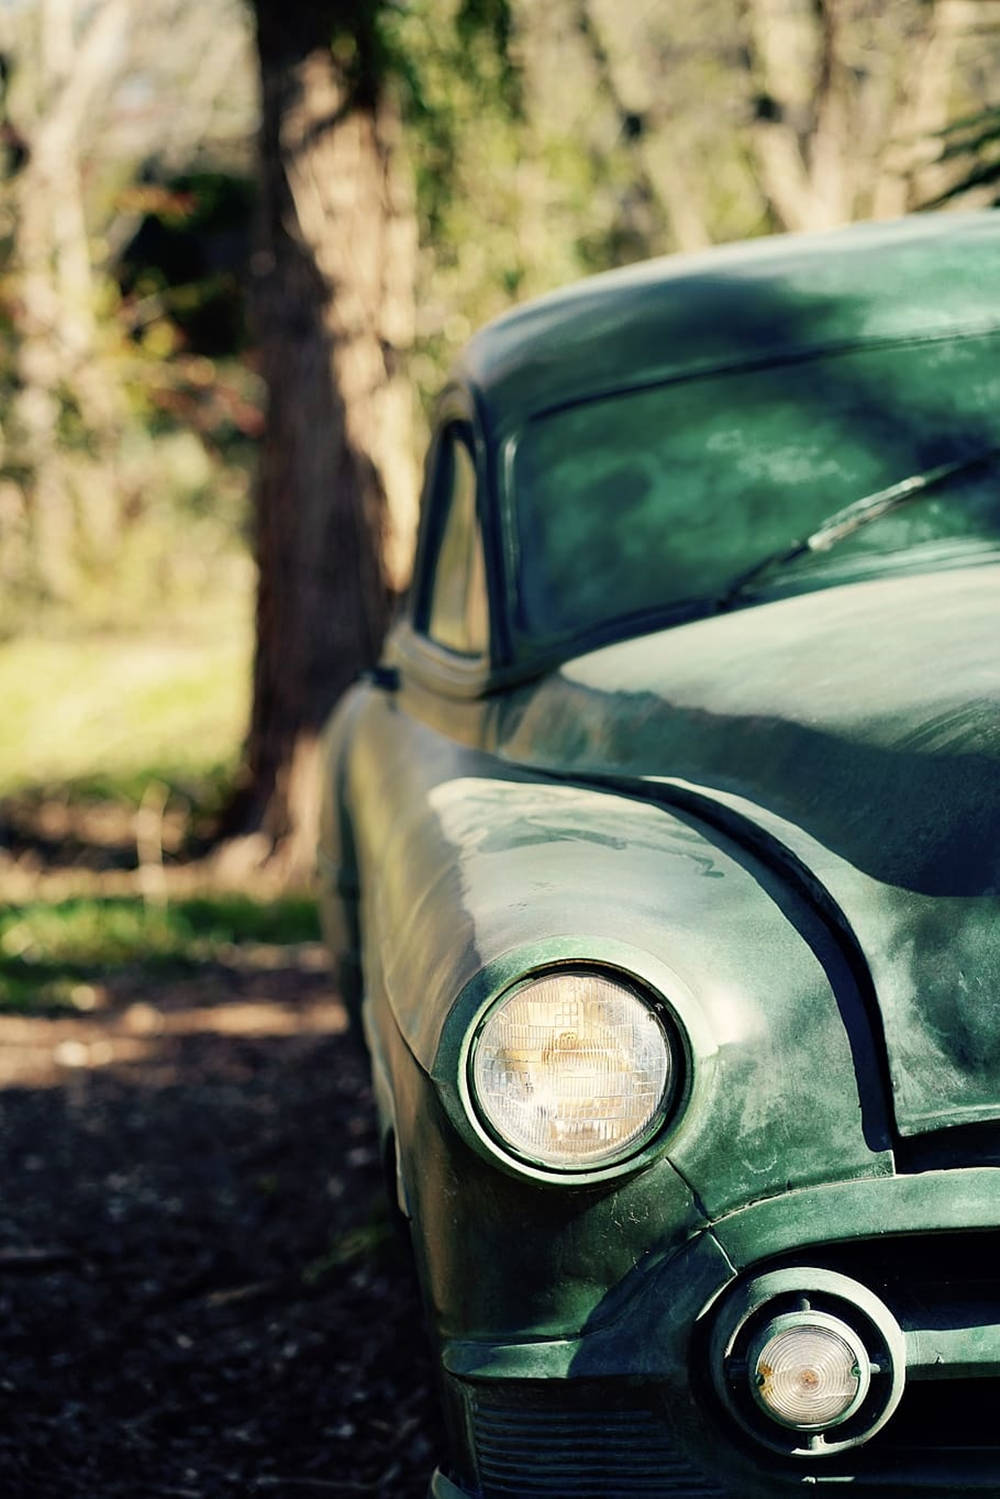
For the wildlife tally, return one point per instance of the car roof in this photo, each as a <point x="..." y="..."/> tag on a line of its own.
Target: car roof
<point x="760" y="302"/>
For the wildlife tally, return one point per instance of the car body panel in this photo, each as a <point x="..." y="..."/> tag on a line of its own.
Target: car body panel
<point x="562" y="1258"/>
<point x="775" y="816"/>
<point x="868" y="718"/>
<point x="759" y="302"/>
<point x="476" y="865"/>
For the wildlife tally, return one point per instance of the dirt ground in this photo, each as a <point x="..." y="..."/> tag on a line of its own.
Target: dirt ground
<point x="200" y="1294"/>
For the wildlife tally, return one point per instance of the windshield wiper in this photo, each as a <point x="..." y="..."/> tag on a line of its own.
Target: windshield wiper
<point x="848" y="520"/>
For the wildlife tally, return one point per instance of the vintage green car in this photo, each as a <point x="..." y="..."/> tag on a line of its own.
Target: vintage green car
<point x="661" y="862"/>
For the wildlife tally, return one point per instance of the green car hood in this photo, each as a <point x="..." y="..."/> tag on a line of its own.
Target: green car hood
<point x="857" y="729"/>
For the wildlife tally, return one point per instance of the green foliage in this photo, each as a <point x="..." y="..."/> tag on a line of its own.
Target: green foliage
<point x="453" y="63"/>
<point x="51" y="954"/>
<point x="187" y="260"/>
<point x="494" y="21"/>
<point x="482" y="192"/>
<point x="130" y="409"/>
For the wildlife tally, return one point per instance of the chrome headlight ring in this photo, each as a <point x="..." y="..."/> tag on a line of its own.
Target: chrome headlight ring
<point x="574" y="1069"/>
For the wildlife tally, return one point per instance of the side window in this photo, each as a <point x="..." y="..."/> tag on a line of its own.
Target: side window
<point x="458" y="615"/>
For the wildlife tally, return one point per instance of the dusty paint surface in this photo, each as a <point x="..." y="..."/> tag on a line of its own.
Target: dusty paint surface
<point x="777" y="812"/>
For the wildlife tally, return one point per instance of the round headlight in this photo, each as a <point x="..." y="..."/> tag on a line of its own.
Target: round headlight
<point x="571" y="1070"/>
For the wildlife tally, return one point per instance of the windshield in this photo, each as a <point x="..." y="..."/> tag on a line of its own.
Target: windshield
<point x="654" y="500"/>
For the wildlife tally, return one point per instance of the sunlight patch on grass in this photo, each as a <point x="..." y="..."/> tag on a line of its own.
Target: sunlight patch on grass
<point x="51" y="953"/>
<point x="106" y="713"/>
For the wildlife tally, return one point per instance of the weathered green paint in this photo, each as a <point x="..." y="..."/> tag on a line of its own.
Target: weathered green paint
<point x="516" y="863"/>
<point x="931" y="1203"/>
<point x="754" y="303"/>
<point x="868" y="719"/>
<point x="782" y="820"/>
<point x="964" y="1352"/>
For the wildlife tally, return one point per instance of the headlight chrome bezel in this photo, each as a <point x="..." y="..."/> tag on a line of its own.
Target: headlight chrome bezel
<point x="650" y="980"/>
<point x="636" y="1142"/>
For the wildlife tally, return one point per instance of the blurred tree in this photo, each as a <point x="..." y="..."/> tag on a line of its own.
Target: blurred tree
<point x="98" y="473"/>
<point x="335" y="274"/>
<point x="847" y="96"/>
<point x="973" y="146"/>
<point x="57" y="353"/>
<point x="333" y="294"/>
<point x="636" y="130"/>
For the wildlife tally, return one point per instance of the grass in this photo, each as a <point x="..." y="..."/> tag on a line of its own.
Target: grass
<point x="52" y="953"/>
<point x="358" y="1245"/>
<point x="99" y="716"/>
<point x="89" y="722"/>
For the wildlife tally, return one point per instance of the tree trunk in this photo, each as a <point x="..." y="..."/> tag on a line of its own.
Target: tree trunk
<point x="336" y="493"/>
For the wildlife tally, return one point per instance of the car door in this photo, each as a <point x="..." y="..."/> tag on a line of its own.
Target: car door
<point x="436" y="660"/>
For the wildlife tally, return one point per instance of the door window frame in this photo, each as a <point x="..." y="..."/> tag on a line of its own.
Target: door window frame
<point x="435" y="665"/>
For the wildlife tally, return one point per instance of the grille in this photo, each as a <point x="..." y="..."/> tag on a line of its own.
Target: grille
<point x="945" y="1430"/>
<point x="535" y="1452"/>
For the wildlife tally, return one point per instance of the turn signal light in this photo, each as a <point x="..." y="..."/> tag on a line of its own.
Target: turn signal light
<point x="808" y="1371"/>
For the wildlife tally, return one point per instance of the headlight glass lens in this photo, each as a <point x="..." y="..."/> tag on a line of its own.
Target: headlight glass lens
<point x="571" y="1069"/>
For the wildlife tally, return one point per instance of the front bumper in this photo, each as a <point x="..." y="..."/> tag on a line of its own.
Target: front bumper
<point x="625" y="1407"/>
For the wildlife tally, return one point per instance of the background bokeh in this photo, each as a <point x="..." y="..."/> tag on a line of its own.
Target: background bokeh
<point x="199" y="1291"/>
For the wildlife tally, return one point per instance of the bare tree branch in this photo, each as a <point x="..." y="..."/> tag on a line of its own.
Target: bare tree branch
<point x="669" y="195"/>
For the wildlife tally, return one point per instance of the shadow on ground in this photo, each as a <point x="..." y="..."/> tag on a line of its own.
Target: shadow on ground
<point x="200" y="1294"/>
